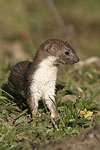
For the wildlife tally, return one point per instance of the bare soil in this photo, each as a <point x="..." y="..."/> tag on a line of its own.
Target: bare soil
<point x="89" y="139"/>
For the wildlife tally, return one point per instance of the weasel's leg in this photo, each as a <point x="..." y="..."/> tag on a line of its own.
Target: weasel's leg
<point x="50" y="101"/>
<point x="33" y="103"/>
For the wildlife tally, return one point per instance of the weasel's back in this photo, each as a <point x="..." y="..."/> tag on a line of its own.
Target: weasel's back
<point x="17" y="75"/>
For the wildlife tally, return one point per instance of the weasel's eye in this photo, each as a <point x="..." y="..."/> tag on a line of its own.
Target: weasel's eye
<point x="67" y="53"/>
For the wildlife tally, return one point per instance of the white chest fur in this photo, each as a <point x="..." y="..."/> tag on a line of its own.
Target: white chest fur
<point x="44" y="80"/>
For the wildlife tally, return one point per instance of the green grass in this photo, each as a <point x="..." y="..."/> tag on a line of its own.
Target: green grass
<point x="17" y="126"/>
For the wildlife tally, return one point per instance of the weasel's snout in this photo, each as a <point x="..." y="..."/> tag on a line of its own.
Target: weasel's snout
<point x="73" y="57"/>
<point x="76" y="60"/>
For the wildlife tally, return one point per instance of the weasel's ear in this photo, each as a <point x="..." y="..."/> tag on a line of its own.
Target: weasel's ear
<point x="49" y="48"/>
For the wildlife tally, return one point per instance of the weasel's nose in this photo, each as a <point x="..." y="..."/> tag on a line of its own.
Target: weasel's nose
<point x="77" y="59"/>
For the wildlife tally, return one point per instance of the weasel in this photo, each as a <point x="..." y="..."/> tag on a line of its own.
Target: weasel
<point x="36" y="80"/>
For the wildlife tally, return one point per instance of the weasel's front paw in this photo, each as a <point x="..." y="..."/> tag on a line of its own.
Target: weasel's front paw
<point x="34" y="112"/>
<point x="54" y="115"/>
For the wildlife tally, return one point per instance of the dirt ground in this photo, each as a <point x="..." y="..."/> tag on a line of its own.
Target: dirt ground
<point x="89" y="139"/>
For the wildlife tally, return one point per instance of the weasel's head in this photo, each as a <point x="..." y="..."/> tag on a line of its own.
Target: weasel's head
<point x="62" y="51"/>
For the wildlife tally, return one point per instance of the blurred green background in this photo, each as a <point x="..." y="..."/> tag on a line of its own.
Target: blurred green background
<point x="25" y="24"/>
